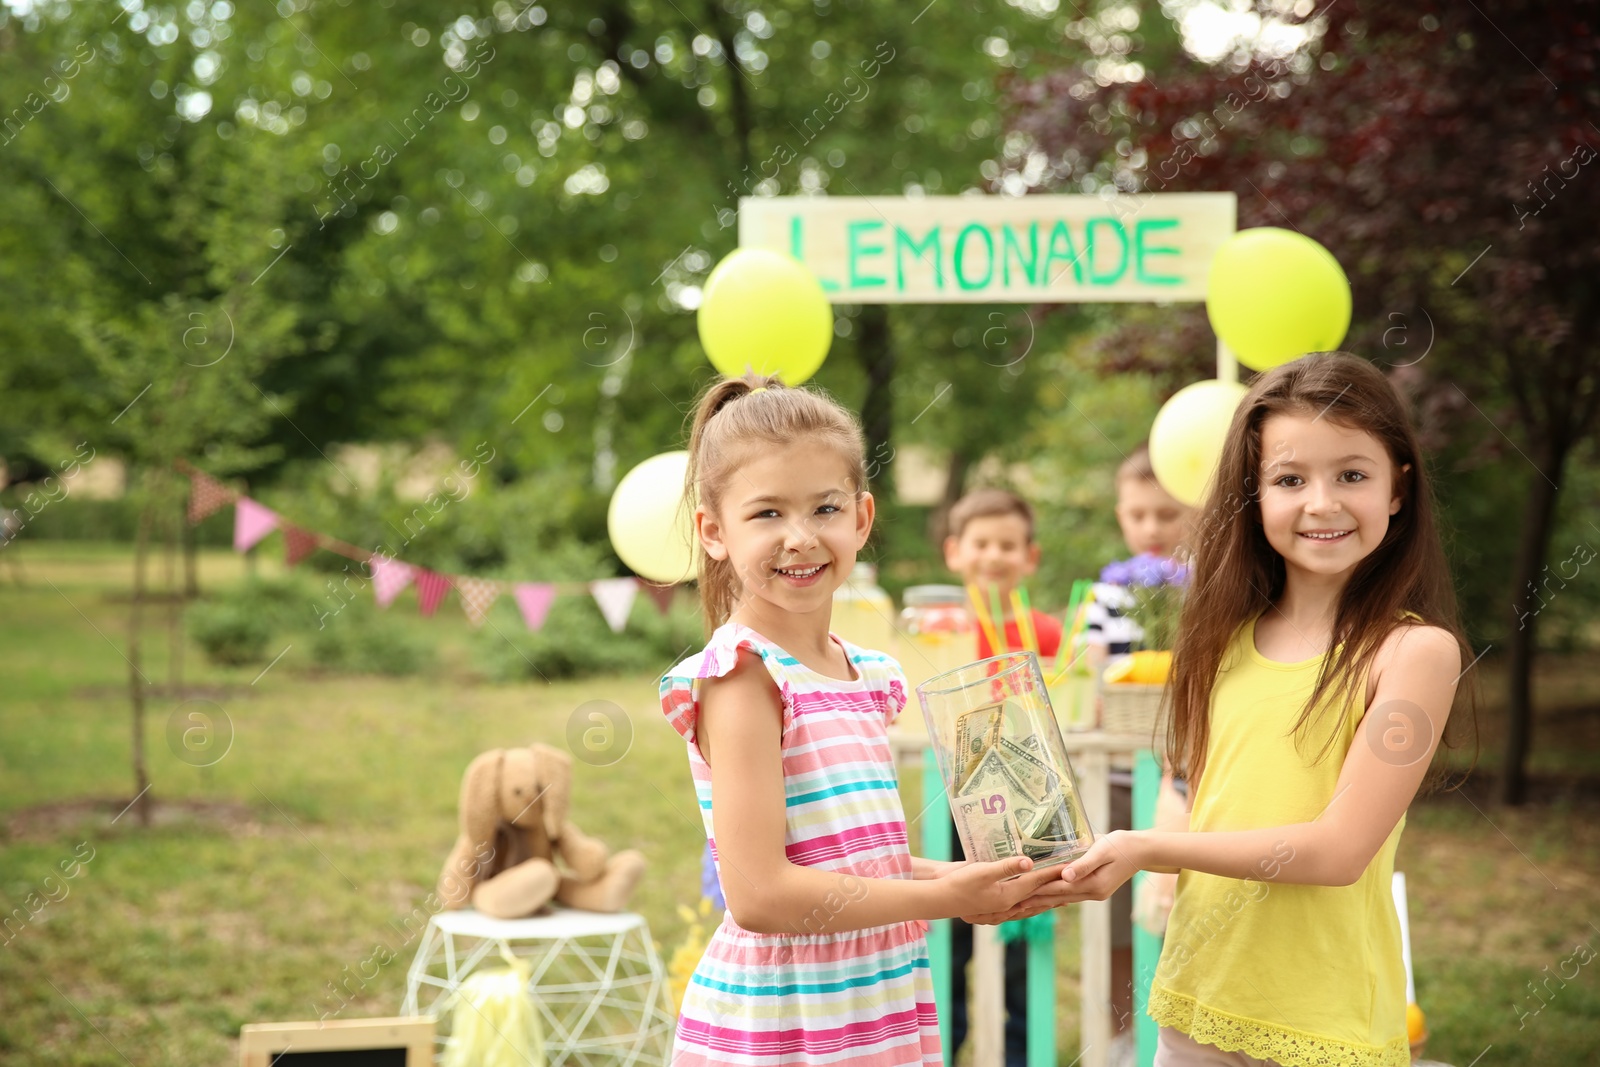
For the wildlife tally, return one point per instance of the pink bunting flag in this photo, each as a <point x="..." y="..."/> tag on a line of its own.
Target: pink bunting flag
<point x="534" y="599"/>
<point x="389" y="576"/>
<point x="615" y="597"/>
<point x="297" y="544"/>
<point x="431" y="588"/>
<point x="206" y="496"/>
<point x="660" y="595"/>
<point x="477" y="597"/>
<point x="251" y="522"/>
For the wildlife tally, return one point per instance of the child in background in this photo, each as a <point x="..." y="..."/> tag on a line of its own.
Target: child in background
<point x="1317" y="662"/>
<point x="1152" y="523"/>
<point x="991" y="546"/>
<point x="821" y="956"/>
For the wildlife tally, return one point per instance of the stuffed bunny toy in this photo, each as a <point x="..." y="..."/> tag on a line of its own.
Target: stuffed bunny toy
<point x="514" y="830"/>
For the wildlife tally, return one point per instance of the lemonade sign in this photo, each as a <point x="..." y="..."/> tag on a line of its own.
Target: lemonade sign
<point x="986" y="249"/>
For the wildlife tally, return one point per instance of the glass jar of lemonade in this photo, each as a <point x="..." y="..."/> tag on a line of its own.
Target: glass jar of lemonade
<point x="936" y="633"/>
<point x="863" y="614"/>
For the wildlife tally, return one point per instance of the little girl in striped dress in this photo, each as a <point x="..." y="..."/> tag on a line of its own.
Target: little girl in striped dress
<point x="821" y="957"/>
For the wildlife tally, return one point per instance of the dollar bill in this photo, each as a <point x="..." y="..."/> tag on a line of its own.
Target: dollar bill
<point x="992" y="776"/>
<point x="1036" y="849"/>
<point x="1028" y="813"/>
<point x="976" y="733"/>
<point x="1036" y="776"/>
<point x="1052" y="824"/>
<point x="987" y="828"/>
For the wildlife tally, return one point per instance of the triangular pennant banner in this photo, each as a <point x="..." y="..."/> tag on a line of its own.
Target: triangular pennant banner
<point x="534" y="600"/>
<point x="297" y="544"/>
<point x="477" y="597"/>
<point x="615" y="597"/>
<point x="389" y="576"/>
<point x="660" y="595"/>
<point x="431" y="588"/>
<point x="206" y="496"/>
<point x="348" y="551"/>
<point x="251" y="522"/>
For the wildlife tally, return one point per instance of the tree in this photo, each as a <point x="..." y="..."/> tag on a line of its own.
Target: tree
<point x="1440" y="152"/>
<point x="162" y="317"/>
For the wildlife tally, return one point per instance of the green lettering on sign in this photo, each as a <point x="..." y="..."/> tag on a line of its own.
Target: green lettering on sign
<point x="795" y="245"/>
<point x="856" y="250"/>
<point x="1061" y="248"/>
<point x="959" y="255"/>
<point x="1096" y="277"/>
<point x="1002" y="256"/>
<point x="903" y="242"/>
<point x="1010" y="244"/>
<point x="1140" y="251"/>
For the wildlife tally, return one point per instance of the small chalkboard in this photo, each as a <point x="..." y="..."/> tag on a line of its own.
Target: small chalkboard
<point x="349" y="1057"/>
<point x="340" y="1043"/>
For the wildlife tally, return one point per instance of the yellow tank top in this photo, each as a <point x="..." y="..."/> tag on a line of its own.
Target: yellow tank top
<point x="1308" y="976"/>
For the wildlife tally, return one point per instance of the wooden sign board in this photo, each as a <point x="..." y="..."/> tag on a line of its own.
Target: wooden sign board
<point x="393" y="1042"/>
<point x="996" y="249"/>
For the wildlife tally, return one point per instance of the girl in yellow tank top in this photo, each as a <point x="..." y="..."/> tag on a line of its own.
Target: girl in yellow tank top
<point x="1312" y="682"/>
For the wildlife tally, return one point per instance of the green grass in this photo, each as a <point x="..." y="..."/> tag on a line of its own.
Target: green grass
<point x="335" y="805"/>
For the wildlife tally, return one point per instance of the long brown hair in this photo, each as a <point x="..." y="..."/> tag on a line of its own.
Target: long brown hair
<point x="1238" y="575"/>
<point x="735" y="415"/>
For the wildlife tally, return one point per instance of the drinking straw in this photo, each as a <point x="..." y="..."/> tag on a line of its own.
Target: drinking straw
<point x="1024" y="612"/>
<point x="1081" y="620"/>
<point x="1071" y="636"/>
<point x="983" y="616"/>
<point x="999" y="619"/>
<point x="1026" y="619"/>
<point x="1022" y="627"/>
<point x="1067" y="621"/>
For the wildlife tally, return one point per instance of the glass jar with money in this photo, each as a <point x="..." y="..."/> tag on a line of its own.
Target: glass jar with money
<point x="994" y="735"/>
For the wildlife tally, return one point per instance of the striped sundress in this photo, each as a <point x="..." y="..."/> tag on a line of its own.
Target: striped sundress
<point x="864" y="997"/>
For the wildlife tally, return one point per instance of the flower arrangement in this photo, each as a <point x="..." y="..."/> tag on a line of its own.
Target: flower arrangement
<point x="686" y="957"/>
<point x="1157" y="584"/>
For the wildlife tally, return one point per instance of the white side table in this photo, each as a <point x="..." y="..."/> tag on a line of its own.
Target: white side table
<point x="598" y="982"/>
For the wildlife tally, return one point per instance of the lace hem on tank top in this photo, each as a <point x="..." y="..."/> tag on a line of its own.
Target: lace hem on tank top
<point x="1291" y="1048"/>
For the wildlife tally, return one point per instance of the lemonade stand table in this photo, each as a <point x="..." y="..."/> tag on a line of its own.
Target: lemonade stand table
<point x="597" y="980"/>
<point x="1091" y="753"/>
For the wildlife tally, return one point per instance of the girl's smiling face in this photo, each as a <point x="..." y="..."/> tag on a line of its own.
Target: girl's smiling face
<point x="1327" y="492"/>
<point x="791" y="523"/>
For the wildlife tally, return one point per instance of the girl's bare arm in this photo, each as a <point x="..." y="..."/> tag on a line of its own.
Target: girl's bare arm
<point x="740" y="732"/>
<point x="1419" y="669"/>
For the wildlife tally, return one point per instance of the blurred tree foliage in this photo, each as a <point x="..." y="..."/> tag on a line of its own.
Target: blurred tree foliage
<point x="490" y="223"/>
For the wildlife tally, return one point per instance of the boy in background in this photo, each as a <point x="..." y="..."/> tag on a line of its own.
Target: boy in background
<point x="991" y="546"/>
<point x="1152" y="522"/>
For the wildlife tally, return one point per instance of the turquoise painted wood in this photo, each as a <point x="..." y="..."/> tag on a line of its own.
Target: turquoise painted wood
<point x="1042" y="1000"/>
<point x="1146" y="946"/>
<point x="937" y="831"/>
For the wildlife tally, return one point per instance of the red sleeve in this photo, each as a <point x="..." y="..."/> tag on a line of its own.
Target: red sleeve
<point x="1048" y="627"/>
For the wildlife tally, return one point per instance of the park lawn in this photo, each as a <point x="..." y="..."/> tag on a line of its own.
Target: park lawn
<point x="318" y="835"/>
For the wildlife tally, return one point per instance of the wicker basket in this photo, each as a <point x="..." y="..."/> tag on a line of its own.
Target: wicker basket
<point x="1134" y="710"/>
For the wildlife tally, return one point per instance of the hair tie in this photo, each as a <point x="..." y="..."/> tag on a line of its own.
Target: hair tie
<point x="757" y="389"/>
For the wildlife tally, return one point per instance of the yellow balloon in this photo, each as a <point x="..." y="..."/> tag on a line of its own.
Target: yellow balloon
<point x="1187" y="436"/>
<point x="650" y="532"/>
<point x="1274" y="295"/>
<point x="764" y="311"/>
